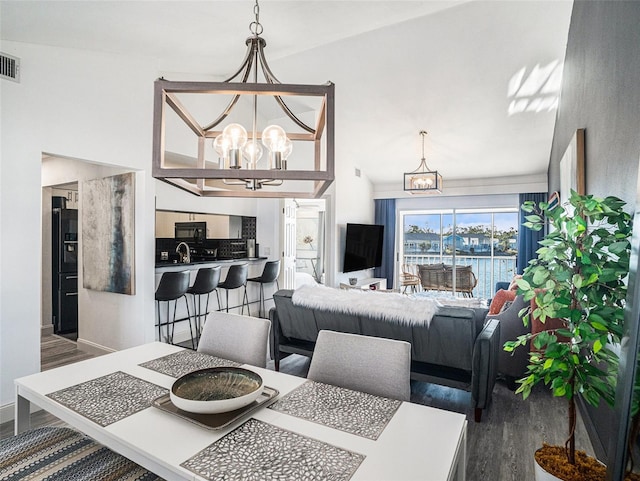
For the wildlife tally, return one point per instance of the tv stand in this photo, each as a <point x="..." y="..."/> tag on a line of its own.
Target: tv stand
<point x="373" y="283"/>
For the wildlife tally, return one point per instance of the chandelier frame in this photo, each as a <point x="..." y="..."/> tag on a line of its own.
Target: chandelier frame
<point x="423" y="180"/>
<point x="165" y="95"/>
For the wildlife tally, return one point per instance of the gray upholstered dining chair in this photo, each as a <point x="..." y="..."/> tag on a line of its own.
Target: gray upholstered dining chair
<point x="363" y="363"/>
<point x="236" y="337"/>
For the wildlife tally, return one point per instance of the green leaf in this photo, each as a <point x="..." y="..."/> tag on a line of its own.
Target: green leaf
<point x="592" y="278"/>
<point x="559" y="391"/>
<point x="618" y="247"/>
<point x="577" y="280"/>
<point x="524" y="285"/>
<point x="597" y="345"/>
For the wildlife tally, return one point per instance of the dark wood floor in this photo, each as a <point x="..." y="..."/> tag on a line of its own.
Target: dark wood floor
<point x="500" y="448"/>
<point x="57" y="351"/>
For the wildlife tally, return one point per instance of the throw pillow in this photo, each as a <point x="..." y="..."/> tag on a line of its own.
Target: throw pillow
<point x="514" y="286"/>
<point x="499" y="299"/>
<point x="551" y="323"/>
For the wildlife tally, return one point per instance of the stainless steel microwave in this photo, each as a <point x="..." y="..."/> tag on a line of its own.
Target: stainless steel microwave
<point x="191" y="231"/>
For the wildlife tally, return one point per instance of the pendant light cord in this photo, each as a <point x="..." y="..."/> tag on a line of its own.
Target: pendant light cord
<point x="423" y="133"/>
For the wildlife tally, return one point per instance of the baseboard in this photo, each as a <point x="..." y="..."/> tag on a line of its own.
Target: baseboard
<point x="46" y="330"/>
<point x="93" y="348"/>
<point x="7" y="412"/>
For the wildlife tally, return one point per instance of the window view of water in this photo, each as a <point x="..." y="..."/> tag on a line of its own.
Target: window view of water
<point x="484" y="240"/>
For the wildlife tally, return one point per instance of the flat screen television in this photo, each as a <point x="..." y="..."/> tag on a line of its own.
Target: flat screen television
<point x="363" y="247"/>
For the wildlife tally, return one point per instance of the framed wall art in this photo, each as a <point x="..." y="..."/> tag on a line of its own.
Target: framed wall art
<point x="108" y="234"/>
<point x="572" y="167"/>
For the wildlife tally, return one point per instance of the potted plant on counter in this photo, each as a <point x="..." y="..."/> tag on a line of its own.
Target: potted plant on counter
<point x="578" y="278"/>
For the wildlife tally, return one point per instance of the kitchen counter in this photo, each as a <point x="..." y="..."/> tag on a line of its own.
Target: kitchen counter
<point x="256" y="264"/>
<point x="186" y="266"/>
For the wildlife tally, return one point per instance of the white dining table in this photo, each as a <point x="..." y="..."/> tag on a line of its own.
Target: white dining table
<point x="418" y="442"/>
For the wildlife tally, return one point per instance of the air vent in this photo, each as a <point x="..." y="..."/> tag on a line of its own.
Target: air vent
<point x="9" y="67"/>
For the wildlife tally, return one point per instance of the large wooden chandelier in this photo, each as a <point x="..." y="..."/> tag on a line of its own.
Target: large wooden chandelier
<point x="285" y="148"/>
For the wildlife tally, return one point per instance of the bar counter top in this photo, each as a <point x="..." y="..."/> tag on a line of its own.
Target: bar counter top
<point x="171" y="266"/>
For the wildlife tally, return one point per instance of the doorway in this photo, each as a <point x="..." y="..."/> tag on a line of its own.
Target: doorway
<point x="310" y="241"/>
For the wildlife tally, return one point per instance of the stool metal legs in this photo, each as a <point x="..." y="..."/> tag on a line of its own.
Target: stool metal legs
<point x="199" y="315"/>
<point x="261" y="302"/>
<point x="172" y="322"/>
<point x="245" y="300"/>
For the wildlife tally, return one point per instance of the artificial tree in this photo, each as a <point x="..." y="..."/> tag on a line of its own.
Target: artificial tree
<point x="579" y="278"/>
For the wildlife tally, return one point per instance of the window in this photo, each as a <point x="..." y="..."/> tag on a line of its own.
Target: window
<point x="485" y="239"/>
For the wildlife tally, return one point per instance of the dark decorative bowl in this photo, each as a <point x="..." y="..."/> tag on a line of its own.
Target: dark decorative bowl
<point x="216" y="390"/>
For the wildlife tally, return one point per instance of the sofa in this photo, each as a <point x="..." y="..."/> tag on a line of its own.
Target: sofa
<point x="512" y="365"/>
<point x="456" y="348"/>
<point x="439" y="277"/>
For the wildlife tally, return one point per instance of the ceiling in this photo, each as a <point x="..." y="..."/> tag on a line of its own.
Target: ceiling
<point x="482" y="77"/>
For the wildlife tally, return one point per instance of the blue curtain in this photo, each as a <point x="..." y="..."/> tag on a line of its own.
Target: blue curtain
<point x="385" y="214"/>
<point x="528" y="239"/>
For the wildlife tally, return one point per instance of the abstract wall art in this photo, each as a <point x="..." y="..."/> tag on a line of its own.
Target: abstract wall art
<point x="107" y="226"/>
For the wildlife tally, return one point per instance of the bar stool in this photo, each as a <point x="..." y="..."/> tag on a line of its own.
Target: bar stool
<point x="236" y="278"/>
<point x="269" y="275"/>
<point x="207" y="280"/>
<point x="172" y="286"/>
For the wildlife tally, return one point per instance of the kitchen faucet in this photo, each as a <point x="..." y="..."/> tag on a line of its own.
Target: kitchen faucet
<point x="185" y="257"/>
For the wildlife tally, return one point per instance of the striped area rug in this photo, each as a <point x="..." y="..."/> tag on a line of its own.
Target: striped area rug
<point x="56" y="454"/>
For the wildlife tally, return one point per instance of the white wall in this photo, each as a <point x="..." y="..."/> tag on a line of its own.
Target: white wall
<point x="353" y="203"/>
<point x="490" y="201"/>
<point x="71" y="103"/>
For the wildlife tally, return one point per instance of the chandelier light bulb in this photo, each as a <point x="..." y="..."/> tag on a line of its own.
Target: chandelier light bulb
<point x="221" y="145"/>
<point x="236" y="134"/>
<point x="288" y="148"/>
<point x="253" y="153"/>
<point x="274" y="138"/>
<point x="286" y="152"/>
<point x="237" y="137"/>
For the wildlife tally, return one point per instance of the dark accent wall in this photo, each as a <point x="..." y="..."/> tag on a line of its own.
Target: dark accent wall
<point x="601" y="93"/>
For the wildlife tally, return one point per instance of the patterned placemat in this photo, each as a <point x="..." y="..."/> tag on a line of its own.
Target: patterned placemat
<point x="183" y="362"/>
<point x="355" y="412"/>
<point x="109" y="398"/>
<point x="262" y="451"/>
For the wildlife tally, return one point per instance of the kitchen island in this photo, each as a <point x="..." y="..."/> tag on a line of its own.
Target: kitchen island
<point x="194" y="266"/>
<point x="256" y="265"/>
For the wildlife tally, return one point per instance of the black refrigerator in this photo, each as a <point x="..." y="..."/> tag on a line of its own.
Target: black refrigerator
<point x="64" y="265"/>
